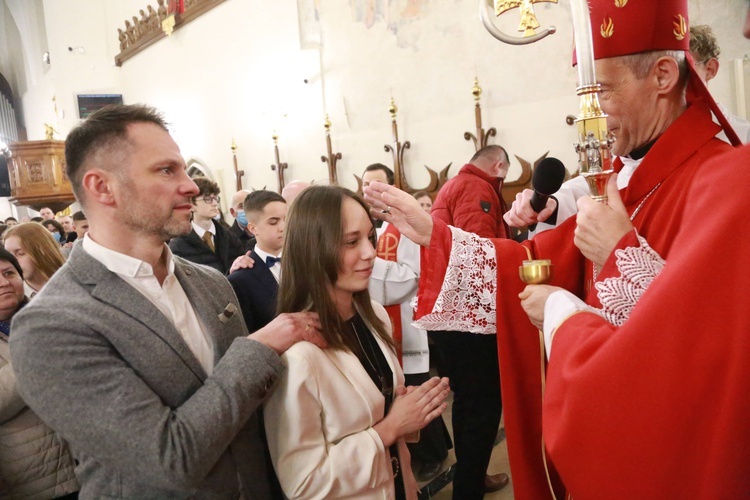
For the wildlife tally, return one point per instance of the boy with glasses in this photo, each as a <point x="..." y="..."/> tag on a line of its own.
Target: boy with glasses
<point x="208" y="243"/>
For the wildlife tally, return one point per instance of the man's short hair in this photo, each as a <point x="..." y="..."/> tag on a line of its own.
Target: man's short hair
<point x="103" y="131"/>
<point x="256" y="201"/>
<point x="79" y="216"/>
<point x="36" y="219"/>
<point x="11" y="218"/>
<point x="205" y="187"/>
<point x="380" y="166"/>
<point x="703" y="44"/>
<point x="7" y="256"/>
<point x="490" y="152"/>
<point x="642" y="62"/>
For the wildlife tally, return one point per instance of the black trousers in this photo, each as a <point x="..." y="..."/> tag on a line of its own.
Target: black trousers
<point x="434" y="439"/>
<point x="470" y="361"/>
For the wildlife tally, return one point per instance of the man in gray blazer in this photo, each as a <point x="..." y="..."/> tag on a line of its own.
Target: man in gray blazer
<point x="141" y="360"/>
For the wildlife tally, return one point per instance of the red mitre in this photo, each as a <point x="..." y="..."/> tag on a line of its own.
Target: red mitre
<point x="623" y="27"/>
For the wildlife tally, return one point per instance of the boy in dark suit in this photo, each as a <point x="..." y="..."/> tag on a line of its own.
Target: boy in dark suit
<point x="209" y="243"/>
<point x="256" y="287"/>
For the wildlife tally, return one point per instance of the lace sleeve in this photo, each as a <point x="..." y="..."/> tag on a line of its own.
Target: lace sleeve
<point x="467" y="297"/>
<point x="638" y="267"/>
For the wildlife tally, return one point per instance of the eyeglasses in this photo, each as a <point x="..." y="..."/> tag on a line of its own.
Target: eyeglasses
<point x="210" y="199"/>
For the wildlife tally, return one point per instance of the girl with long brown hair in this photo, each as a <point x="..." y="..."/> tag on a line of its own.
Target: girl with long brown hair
<point x="337" y="420"/>
<point x="36" y="251"/>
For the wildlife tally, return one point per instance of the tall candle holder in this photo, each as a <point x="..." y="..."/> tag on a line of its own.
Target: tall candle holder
<point x="278" y="167"/>
<point x="332" y="158"/>
<point x="481" y="138"/>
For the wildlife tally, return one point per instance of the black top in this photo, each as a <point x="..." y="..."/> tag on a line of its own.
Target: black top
<point x="376" y="366"/>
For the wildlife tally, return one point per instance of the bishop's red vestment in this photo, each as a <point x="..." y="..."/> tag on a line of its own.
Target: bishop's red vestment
<point x="657" y="191"/>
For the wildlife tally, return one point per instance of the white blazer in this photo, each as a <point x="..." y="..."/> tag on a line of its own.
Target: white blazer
<point x="319" y="421"/>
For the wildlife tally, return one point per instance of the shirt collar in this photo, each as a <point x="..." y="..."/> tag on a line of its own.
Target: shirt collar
<point x="200" y="231"/>
<point x="263" y="254"/>
<point x="120" y="263"/>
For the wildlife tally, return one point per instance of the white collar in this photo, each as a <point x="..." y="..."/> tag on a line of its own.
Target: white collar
<point x="120" y="263"/>
<point x="200" y="231"/>
<point x="263" y="254"/>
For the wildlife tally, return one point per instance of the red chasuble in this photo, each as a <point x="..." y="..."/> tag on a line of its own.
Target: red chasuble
<point x="658" y="189"/>
<point x="658" y="408"/>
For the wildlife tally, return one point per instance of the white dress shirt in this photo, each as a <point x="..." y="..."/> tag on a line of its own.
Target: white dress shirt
<point x="169" y="298"/>
<point x="275" y="269"/>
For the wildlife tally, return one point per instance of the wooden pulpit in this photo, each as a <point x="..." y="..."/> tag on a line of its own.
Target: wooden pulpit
<point x="37" y="175"/>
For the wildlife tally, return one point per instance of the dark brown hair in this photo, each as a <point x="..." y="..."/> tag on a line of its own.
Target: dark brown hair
<point x="206" y="187"/>
<point x="312" y="262"/>
<point x="105" y="129"/>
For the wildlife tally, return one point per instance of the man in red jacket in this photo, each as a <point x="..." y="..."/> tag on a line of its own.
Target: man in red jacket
<point x="472" y="201"/>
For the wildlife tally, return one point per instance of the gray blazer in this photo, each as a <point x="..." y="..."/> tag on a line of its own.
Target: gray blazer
<point x="104" y="367"/>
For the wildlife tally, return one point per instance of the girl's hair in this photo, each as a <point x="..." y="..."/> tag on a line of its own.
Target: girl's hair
<point x="40" y="245"/>
<point x="312" y="262"/>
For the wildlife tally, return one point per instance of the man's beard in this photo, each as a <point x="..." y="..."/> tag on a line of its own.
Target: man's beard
<point x="142" y="219"/>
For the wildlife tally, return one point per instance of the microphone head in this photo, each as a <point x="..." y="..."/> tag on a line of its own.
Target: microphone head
<point x="548" y="176"/>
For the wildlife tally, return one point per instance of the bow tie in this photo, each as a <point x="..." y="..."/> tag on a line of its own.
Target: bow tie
<point x="270" y="261"/>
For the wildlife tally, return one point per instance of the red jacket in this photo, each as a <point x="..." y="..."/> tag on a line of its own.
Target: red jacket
<point x="471" y="201"/>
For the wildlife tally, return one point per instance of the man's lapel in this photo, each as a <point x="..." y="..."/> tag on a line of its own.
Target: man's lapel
<point x="264" y="275"/>
<point x="112" y="290"/>
<point x="206" y="298"/>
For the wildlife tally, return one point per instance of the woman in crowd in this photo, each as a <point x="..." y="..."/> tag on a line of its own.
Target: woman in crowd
<point x="34" y="461"/>
<point x="56" y="230"/>
<point x="425" y="200"/>
<point x="36" y="251"/>
<point x="337" y="420"/>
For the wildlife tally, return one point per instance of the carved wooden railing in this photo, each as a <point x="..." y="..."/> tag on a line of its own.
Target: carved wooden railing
<point x="155" y="24"/>
<point x="397" y="152"/>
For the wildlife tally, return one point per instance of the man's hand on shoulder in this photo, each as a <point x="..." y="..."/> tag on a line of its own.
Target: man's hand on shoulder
<point x="242" y="262"/>
<point x="288" y="329"/>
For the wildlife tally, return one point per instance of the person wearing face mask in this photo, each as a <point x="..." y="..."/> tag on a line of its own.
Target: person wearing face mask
<point x="37" y="252"/>
<point x="56" y="229"/>
<point x="237" y="210"/>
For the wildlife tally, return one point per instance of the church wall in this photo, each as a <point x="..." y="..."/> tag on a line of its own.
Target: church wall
<point x="238" y="70"/>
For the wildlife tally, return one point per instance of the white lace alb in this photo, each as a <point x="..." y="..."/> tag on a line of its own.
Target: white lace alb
<point x="638" y="267"/>
<point x="468" y="295"/>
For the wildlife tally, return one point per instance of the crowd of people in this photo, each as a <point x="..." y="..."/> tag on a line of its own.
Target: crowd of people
<point x="157" y="352"/>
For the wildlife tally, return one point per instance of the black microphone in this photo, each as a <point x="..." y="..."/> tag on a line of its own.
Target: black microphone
<point x="546" y="180"/>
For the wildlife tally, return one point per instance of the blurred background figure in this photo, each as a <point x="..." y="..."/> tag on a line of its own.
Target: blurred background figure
<point x="238" y="228"/>
<point x="36" y="251"/>
<point x="56" y="229"/>
<point x="67" y="223"/>
<point x="34" y="460"/>
<point x="80" y="224"/>
<point x="293" y="189"/>
<point x="424" y="199"/>
<point x="46" y="213"/>
<point x="705" y="51"/>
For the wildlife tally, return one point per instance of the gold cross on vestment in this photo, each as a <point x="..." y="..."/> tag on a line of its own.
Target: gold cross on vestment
<point x="528" y="18"/>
